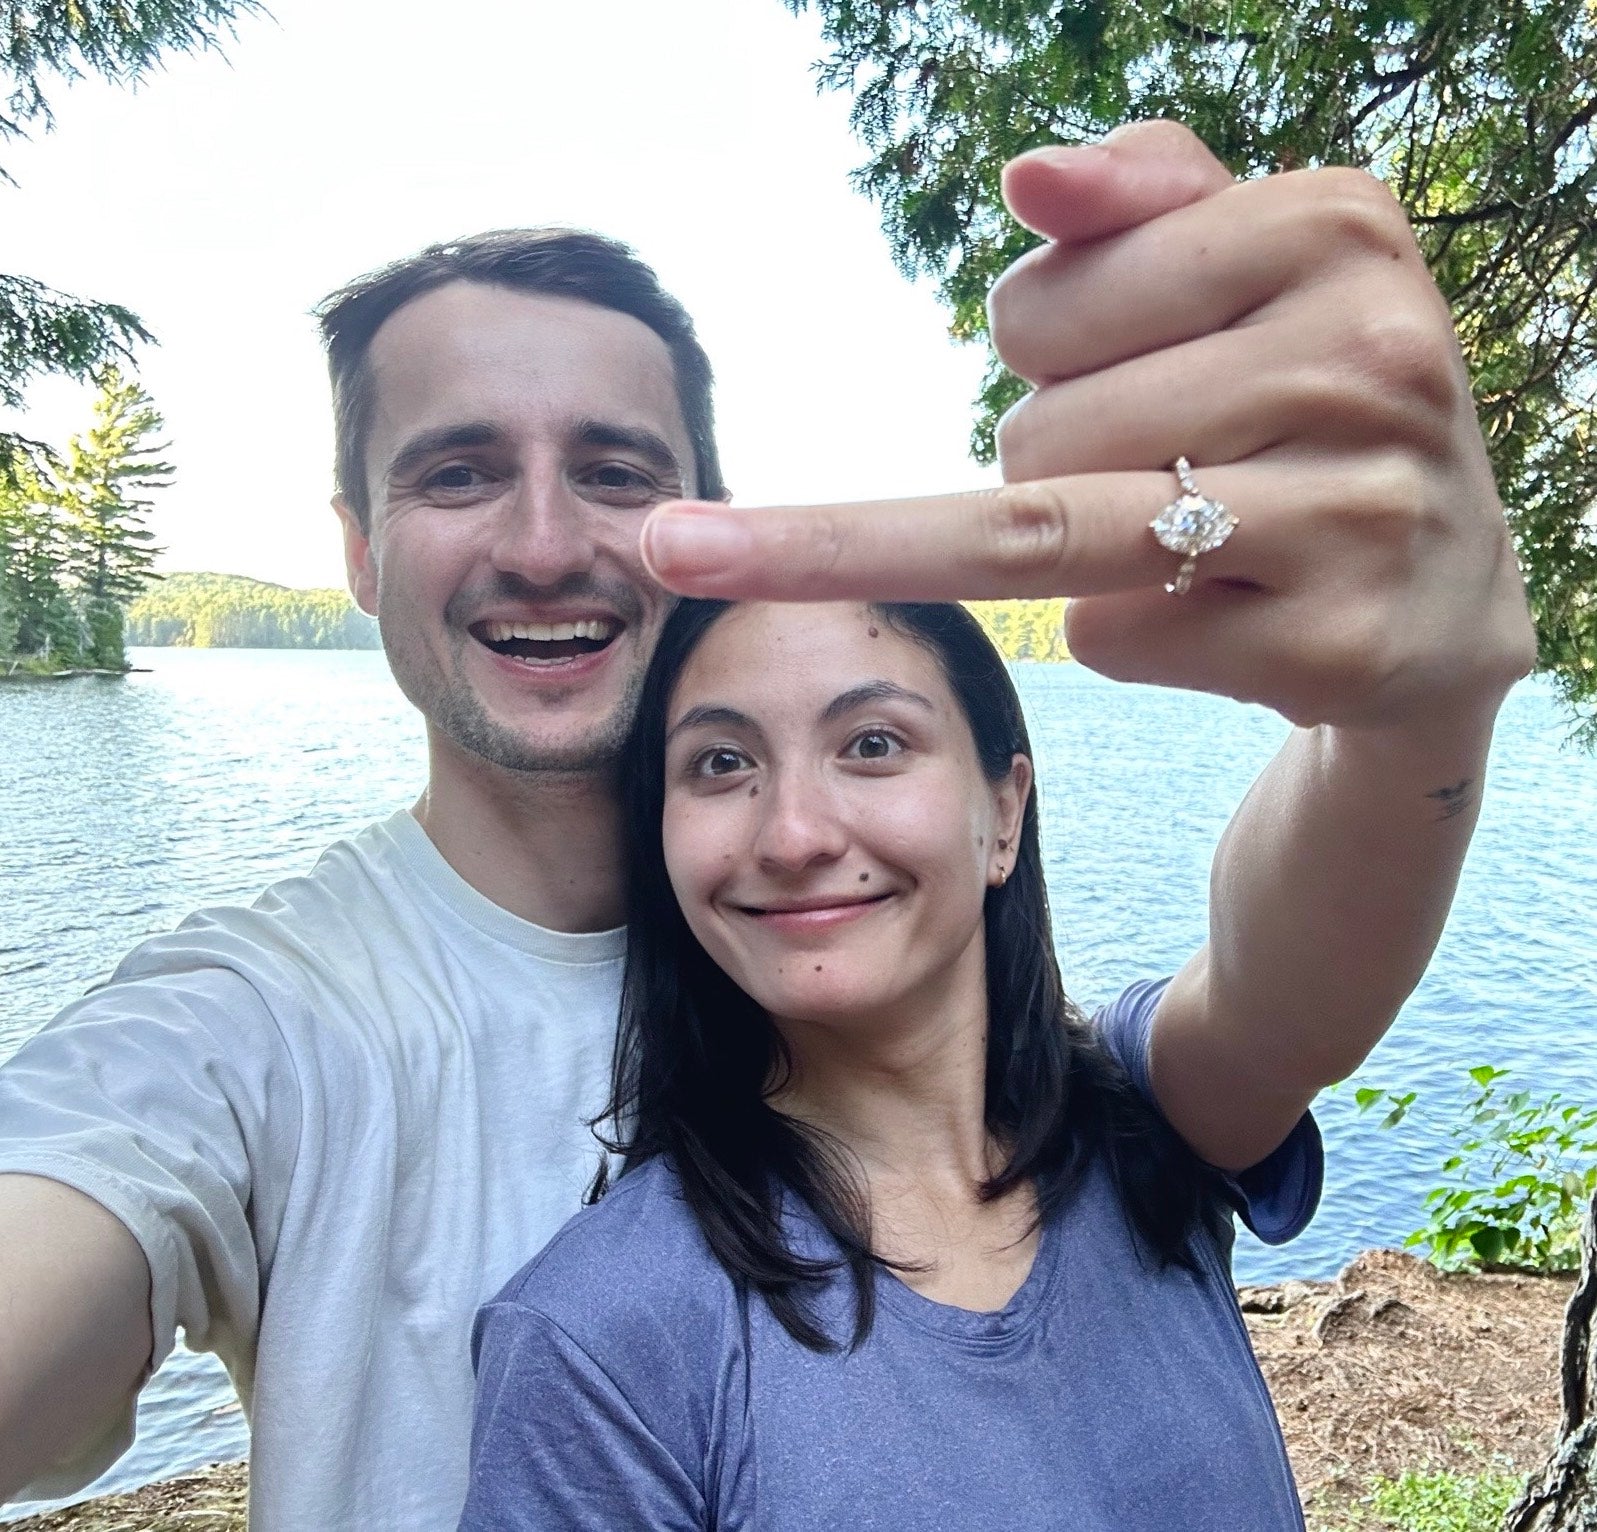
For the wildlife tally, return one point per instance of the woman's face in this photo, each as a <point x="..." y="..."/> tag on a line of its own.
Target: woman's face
<point x="828" y="830"/>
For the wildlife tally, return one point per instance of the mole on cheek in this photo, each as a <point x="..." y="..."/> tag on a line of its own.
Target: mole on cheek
<point x="865" y="877"/>
<point x="872" y="632"/>
<point x="754" y="790"/>
<point x="817" y="968"/>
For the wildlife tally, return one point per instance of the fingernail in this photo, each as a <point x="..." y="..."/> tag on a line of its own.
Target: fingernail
<point x="1064" y="154"/>
<point x="685" y="542"/>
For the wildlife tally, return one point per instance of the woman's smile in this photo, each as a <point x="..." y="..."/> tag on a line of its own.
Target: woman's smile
<point x="813" y="914"/>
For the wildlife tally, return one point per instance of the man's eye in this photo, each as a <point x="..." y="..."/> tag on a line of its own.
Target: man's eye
<point x="623" y="484"/>
<point x="721" y="762"/>
<point x="619" y="475"/>
<point x="874" y="745"/>
<point x="455" y="477"/>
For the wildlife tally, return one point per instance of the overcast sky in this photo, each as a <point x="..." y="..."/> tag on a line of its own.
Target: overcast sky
<point x="222" y="199"/>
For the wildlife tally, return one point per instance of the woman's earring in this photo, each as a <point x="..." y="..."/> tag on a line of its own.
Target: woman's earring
<point x="1003" y="874"/>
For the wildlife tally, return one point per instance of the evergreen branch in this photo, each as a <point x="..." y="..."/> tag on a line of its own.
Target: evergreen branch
<point x="1505" y="207"/>
<point x="119" y="42"/>
<point x="1579" y="309"/>
<point x="1193" y="33"/>
<point x="21" y="458"/>
<point x="45" y="331"/>
<point x="1581" y="119"/>
<point x="1392" y="86"/>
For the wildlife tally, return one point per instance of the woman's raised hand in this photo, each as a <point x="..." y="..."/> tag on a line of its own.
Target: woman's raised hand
<point x="1282" y="334"/>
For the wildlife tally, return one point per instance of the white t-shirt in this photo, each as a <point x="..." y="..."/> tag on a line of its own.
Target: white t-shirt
<point x="336" y="1122"/>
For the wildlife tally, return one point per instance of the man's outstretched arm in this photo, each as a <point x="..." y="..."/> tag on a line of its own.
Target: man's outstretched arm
<point x="74" y="1323"/>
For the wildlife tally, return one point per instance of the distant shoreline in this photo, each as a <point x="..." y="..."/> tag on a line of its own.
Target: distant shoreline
<point x="16" y="673"/>
<point x="215" y="611"/>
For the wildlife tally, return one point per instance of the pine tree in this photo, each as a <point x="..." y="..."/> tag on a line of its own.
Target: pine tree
<point x="110" y="551"/>
<point x="10" y="613"/>
<point x="72" y="535"/>
<point x="33" y="598"/>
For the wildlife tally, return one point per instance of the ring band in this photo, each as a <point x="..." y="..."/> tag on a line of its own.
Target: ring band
<point x="1191" y="524"/>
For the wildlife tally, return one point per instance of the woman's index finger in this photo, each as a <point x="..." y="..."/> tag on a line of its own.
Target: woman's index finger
<point x="1077" y="536"/>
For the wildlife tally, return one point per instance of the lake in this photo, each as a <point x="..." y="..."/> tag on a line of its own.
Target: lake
<point x="124" y="804"/>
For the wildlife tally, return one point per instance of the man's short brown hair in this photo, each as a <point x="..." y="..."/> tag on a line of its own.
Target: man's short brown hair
<point x="557" y="263"/>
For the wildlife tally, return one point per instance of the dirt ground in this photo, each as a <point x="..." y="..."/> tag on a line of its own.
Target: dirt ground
<point x="1391" y="1367"/>
<point x="211" y="1500"/>
<point x="1394" y="1366"/>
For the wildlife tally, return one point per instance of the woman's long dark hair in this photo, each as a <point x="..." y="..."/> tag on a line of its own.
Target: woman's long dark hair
<point x="696" y="1058"/>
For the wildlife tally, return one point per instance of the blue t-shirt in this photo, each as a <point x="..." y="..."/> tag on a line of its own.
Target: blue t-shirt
<point x="623" y="1382"/>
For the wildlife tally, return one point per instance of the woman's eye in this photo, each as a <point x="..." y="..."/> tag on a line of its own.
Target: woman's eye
<point x="720" y="762"/>
<point x="874" y="745"/>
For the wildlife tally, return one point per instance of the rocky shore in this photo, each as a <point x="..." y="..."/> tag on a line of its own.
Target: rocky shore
<point x="1391" y="1368"/>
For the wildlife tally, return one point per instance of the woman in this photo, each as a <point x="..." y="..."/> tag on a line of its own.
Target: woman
<point x="900" y="1240"/>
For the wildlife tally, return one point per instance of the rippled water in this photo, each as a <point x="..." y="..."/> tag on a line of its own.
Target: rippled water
<point x="124" y="804"/>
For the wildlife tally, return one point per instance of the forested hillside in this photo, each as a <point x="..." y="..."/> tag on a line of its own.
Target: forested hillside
<point x="216" y="611"/>
<point x="1025" y="630"/>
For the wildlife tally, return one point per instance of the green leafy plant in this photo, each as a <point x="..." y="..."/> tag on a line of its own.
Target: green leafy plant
<point x="1441" y="1502"/>
<point x="1517" y="1182"/>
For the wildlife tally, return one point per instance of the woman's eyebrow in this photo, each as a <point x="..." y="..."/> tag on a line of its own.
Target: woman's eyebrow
<point x="720" y="717"/>
<point x="872" y="691"/>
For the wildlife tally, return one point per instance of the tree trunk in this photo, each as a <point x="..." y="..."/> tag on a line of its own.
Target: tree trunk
<point x="1562" y="1495"/>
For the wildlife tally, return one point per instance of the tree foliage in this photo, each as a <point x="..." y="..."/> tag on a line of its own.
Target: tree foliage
<point x="45" y="44"/>
<point x="73" y="544"/>
<point x="1477" y="113"/>
<point x="103" y="483"/>
<point x="1521" y="1171"/>
<point x="32" y="540"/>
<point x="217" y="611"/>
<point x="45" y="331"/>
<point x="1024" y="630"/>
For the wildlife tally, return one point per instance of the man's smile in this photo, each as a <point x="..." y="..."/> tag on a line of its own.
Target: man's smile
<point x="546" y="643"/>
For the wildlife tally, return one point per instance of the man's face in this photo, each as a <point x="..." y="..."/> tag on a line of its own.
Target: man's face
<point x="517" y="442"/>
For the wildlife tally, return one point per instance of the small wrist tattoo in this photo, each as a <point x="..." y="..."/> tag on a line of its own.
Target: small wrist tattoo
<point x="1453" y="800"/>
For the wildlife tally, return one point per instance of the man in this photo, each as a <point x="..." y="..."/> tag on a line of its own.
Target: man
<point x="319" y="1132"/>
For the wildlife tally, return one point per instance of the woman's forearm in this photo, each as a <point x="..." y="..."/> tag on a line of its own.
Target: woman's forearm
<point x="1328" y="895"/>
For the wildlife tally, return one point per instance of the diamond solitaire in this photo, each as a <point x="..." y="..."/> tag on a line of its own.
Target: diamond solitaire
<point x="1191" y="524"/>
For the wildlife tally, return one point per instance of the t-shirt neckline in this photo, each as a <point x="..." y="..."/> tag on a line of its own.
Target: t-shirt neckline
<point x="972" y="1325"/>
<point x="422" y="858"/>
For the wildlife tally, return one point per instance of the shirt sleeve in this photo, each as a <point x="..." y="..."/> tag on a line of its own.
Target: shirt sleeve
<point x="1275" y="1198"/>
<point x="557" y="1445"/>
<point x="152" y="1097"/>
